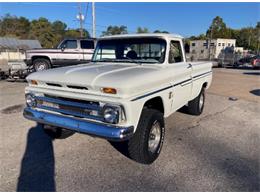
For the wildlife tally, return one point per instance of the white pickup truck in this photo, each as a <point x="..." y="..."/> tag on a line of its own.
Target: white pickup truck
<point x="123" y="95"/>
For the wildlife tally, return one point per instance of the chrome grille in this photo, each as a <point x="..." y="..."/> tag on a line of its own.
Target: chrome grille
<point x="73" y="107"/>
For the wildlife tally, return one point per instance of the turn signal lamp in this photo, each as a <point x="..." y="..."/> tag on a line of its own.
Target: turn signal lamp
<point x="34" y="82"/>
<point x="109" y="90"/>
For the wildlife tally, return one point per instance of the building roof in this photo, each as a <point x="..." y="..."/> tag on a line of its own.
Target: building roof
<point x="144" y="35"/>
<point x="203" y="40"/>
<point x="13" y="43"/>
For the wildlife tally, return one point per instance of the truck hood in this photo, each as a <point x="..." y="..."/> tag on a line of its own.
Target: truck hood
<point x="126" y="78"/>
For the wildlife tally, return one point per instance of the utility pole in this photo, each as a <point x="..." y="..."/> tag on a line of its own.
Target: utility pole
<point x="93" y="20"/>
<point x="258" y="47"/>
<point x="250" y="34"/>
<point x="210" y="39"/>
<point x="80" y="17"/>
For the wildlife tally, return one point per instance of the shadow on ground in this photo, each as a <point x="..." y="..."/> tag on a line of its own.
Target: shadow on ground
<point x="252" y="73"/>
<point x="255" y="92"/>
<point x="241" y="173"/>
<point x="38" y="164"/>
<point x="240" y="67"/>
<point x="121" y="147"/>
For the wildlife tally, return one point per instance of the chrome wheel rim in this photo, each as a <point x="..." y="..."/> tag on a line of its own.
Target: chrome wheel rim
<point x="41" y="66"/>
<point x="154" y="137"/>
<point x="201" y="102"/>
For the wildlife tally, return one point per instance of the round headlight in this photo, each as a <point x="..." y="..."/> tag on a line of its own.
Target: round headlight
<point x="111" y="114"/>
<point x="30" y="100"/>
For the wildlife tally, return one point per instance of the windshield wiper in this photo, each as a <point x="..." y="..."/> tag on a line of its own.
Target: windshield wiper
<point x="133" y="61"/>
<point x="117" y="60"/>
<point x="129" y="60"/>
<point x="105" y="60"/>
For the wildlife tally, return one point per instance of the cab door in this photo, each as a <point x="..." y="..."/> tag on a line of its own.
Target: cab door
<point x="181" y="74"/>
<point x="70" y="53"/>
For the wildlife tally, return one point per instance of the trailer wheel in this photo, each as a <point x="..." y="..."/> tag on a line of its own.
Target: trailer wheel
<point x="41" y="64"/>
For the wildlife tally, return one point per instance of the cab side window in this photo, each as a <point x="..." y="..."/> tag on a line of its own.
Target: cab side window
<point x="85" y="44"/>
<point x="175" y="54"/>
<point x="69" y="44"/>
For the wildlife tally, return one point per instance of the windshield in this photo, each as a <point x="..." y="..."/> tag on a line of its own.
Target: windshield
<point x="134" y="50"/>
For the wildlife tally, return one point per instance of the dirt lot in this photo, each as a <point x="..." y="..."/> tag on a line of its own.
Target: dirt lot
<point x="217" y="151"/>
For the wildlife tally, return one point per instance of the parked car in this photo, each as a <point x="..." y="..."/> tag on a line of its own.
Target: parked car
<point x="68" y="52"/>
<point x="229" y="59"/>
<point x="256" y="62"/>
<point x="243" y="61"/>
<point x="123" y="95"/>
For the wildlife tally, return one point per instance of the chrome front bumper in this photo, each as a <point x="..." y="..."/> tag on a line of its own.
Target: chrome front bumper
<point x="106" y="131"/>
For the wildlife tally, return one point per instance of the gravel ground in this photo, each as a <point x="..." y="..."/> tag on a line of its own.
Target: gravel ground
<point x="217" y="151"/>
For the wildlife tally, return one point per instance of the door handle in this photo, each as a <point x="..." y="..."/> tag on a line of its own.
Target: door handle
<point x="189" y="66"/>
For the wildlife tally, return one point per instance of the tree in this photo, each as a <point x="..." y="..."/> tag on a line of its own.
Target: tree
<point x="22" y="28"/>
<point x="59" y="29"/>
<point x="142" y="30"/>
<point x="48" y="33"/>
<point x="218" y="29"/>
<point x="41" y="29"/>
<point x="115" y="30"/>
<point x="75" y="33"/>
<point x="158" y="31"/>
<point x="7" y="26"/>
<point x="248" y="38"/>
<point x="13" y="26"/>
<point x="200" y="37"/>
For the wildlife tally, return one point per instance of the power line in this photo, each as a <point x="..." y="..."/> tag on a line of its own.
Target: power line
<point x="97" y="6"/>
<point x="108" y="9"/>
<point x="87" y="10"/>
<point x="88" y="23"/>
<point x="45" y="4"/>
<point x="80" y="17"/>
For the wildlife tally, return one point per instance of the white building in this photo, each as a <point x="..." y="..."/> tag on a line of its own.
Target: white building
<point x="12" y="49"/>
<point x="205" y="49"/>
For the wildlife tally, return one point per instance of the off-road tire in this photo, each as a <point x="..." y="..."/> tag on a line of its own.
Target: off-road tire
<point x="40" y="64"/>
<point x="56" y="132"/>
<point x="194" y="107"/>
<point x="138" y="144"/>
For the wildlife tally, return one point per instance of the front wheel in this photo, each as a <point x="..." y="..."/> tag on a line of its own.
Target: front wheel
<point x="145" y="145"/>
<point x="41" y="64"/>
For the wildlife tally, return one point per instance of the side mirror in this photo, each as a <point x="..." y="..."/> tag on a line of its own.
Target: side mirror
<point x="63" y="48"/>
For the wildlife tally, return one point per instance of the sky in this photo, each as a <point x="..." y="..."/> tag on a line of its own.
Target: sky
<point x="186" y="19"/>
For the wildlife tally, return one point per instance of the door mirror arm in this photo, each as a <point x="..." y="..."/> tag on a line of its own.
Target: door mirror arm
<point x="63" y="48"/>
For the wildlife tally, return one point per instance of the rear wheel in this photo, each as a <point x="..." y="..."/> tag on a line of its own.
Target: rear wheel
<point x="196" y="106"/>
<point x="41" y="64"/>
